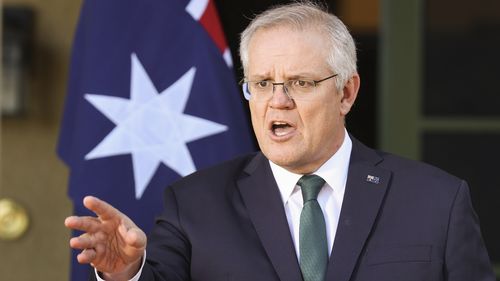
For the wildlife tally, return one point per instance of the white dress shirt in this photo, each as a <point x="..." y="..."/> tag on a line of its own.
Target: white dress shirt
<point x="330" y="197"/>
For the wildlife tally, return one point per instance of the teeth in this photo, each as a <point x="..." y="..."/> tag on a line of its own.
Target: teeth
<point x="281" y="128"/>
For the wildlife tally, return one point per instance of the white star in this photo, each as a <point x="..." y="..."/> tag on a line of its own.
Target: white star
<point x="151" y="126"/>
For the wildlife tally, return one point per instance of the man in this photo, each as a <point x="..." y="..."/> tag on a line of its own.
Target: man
<point x="315" y="204"/>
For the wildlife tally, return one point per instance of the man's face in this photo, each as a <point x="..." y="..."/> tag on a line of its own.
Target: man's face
<point x="299" y="135"/>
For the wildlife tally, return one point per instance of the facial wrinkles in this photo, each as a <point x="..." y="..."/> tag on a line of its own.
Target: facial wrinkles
<point x="281" y="65"/>
<point x="275" y="61"/>
<point x="280" y="55"/>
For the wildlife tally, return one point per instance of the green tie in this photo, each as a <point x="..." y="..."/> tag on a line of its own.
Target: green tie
<point x="312" y="231"/>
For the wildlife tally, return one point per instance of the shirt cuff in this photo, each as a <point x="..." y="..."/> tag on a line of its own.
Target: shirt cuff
<point x="135" y="278"/>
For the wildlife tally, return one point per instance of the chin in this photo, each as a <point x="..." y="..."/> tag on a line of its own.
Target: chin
<point x="279" y="158"/>
<point x="287" y="155"/>
<point x="289" y="162"/>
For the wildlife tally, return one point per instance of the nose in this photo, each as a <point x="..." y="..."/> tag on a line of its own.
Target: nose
<point x="280" y="98"/>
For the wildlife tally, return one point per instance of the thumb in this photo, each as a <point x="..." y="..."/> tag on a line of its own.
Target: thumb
<point x="133" y="236"/>
<point x="136" y="238"/>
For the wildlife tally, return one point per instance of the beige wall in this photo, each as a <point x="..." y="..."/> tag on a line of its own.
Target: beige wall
<point x="31" y="172"/>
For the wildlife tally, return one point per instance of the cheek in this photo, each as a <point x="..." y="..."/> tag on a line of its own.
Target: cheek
<point x="319" y="124"/>
<point x="257" y="114"/>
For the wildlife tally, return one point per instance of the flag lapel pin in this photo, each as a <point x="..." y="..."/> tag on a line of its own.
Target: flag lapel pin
<point x="373" y="179"/>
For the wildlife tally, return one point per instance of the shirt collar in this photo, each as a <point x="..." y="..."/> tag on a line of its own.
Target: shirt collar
<point x="333" y="171"/>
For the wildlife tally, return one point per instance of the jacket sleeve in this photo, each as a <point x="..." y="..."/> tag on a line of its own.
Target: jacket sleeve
<point x="466" y="257"/>
<point x="168" y="251"/>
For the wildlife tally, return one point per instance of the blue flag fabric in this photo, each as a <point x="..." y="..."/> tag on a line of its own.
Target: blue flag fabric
<point x="150" y="99"/>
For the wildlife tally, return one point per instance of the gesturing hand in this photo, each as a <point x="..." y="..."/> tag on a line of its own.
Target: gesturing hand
<point x="112" y="243"/>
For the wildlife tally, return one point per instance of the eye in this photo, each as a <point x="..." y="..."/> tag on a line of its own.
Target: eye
<point x="262" y="84"/>
<point x="302" y="84"/>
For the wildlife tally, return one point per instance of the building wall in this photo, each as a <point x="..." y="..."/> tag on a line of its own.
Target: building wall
<point x="31" y="173"/>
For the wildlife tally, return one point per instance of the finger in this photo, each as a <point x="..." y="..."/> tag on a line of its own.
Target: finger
<point x="86" y="256"/>
<point x="101" y="208"/>
<point x="84" y="241"/>
<point x="86" y="224"/>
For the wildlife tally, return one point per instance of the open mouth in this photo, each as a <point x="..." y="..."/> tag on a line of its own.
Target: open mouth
<point x="281" y="128"/>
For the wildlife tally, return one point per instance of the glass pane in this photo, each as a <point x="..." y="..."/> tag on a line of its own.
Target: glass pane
<point x="462" y="58"/>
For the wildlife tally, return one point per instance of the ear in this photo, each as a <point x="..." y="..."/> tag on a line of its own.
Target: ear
<point x="349" y="94"/>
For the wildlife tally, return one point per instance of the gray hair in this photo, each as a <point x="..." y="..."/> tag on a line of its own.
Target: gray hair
<point x="301" y="16"/>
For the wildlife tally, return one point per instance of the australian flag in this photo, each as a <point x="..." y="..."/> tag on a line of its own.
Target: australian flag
<point x="151" y="98"/>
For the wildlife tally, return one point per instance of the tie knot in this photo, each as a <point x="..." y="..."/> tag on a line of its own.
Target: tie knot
<point x="310" y="186"/>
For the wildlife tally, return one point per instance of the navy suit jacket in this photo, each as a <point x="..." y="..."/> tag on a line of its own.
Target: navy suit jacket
<point x="228" y="223"/>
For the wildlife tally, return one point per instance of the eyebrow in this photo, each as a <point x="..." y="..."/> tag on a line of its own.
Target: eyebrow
<point x="304" y="75"/>
<point x="259" y="77"/>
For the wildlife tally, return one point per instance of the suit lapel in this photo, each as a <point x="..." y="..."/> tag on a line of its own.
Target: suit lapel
<point x="365" y="190"/>
<point x="265" y="208"/>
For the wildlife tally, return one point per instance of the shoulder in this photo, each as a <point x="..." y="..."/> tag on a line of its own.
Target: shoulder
<point x="421" y="184"/>
<point x="223" y="174"/>
<point x="407" y="174"/>
<point x="416" y="171"/>
<point x="212" y="188"/>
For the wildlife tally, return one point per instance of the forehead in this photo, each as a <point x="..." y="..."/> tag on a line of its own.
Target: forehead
<point x="287" y="49"/>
